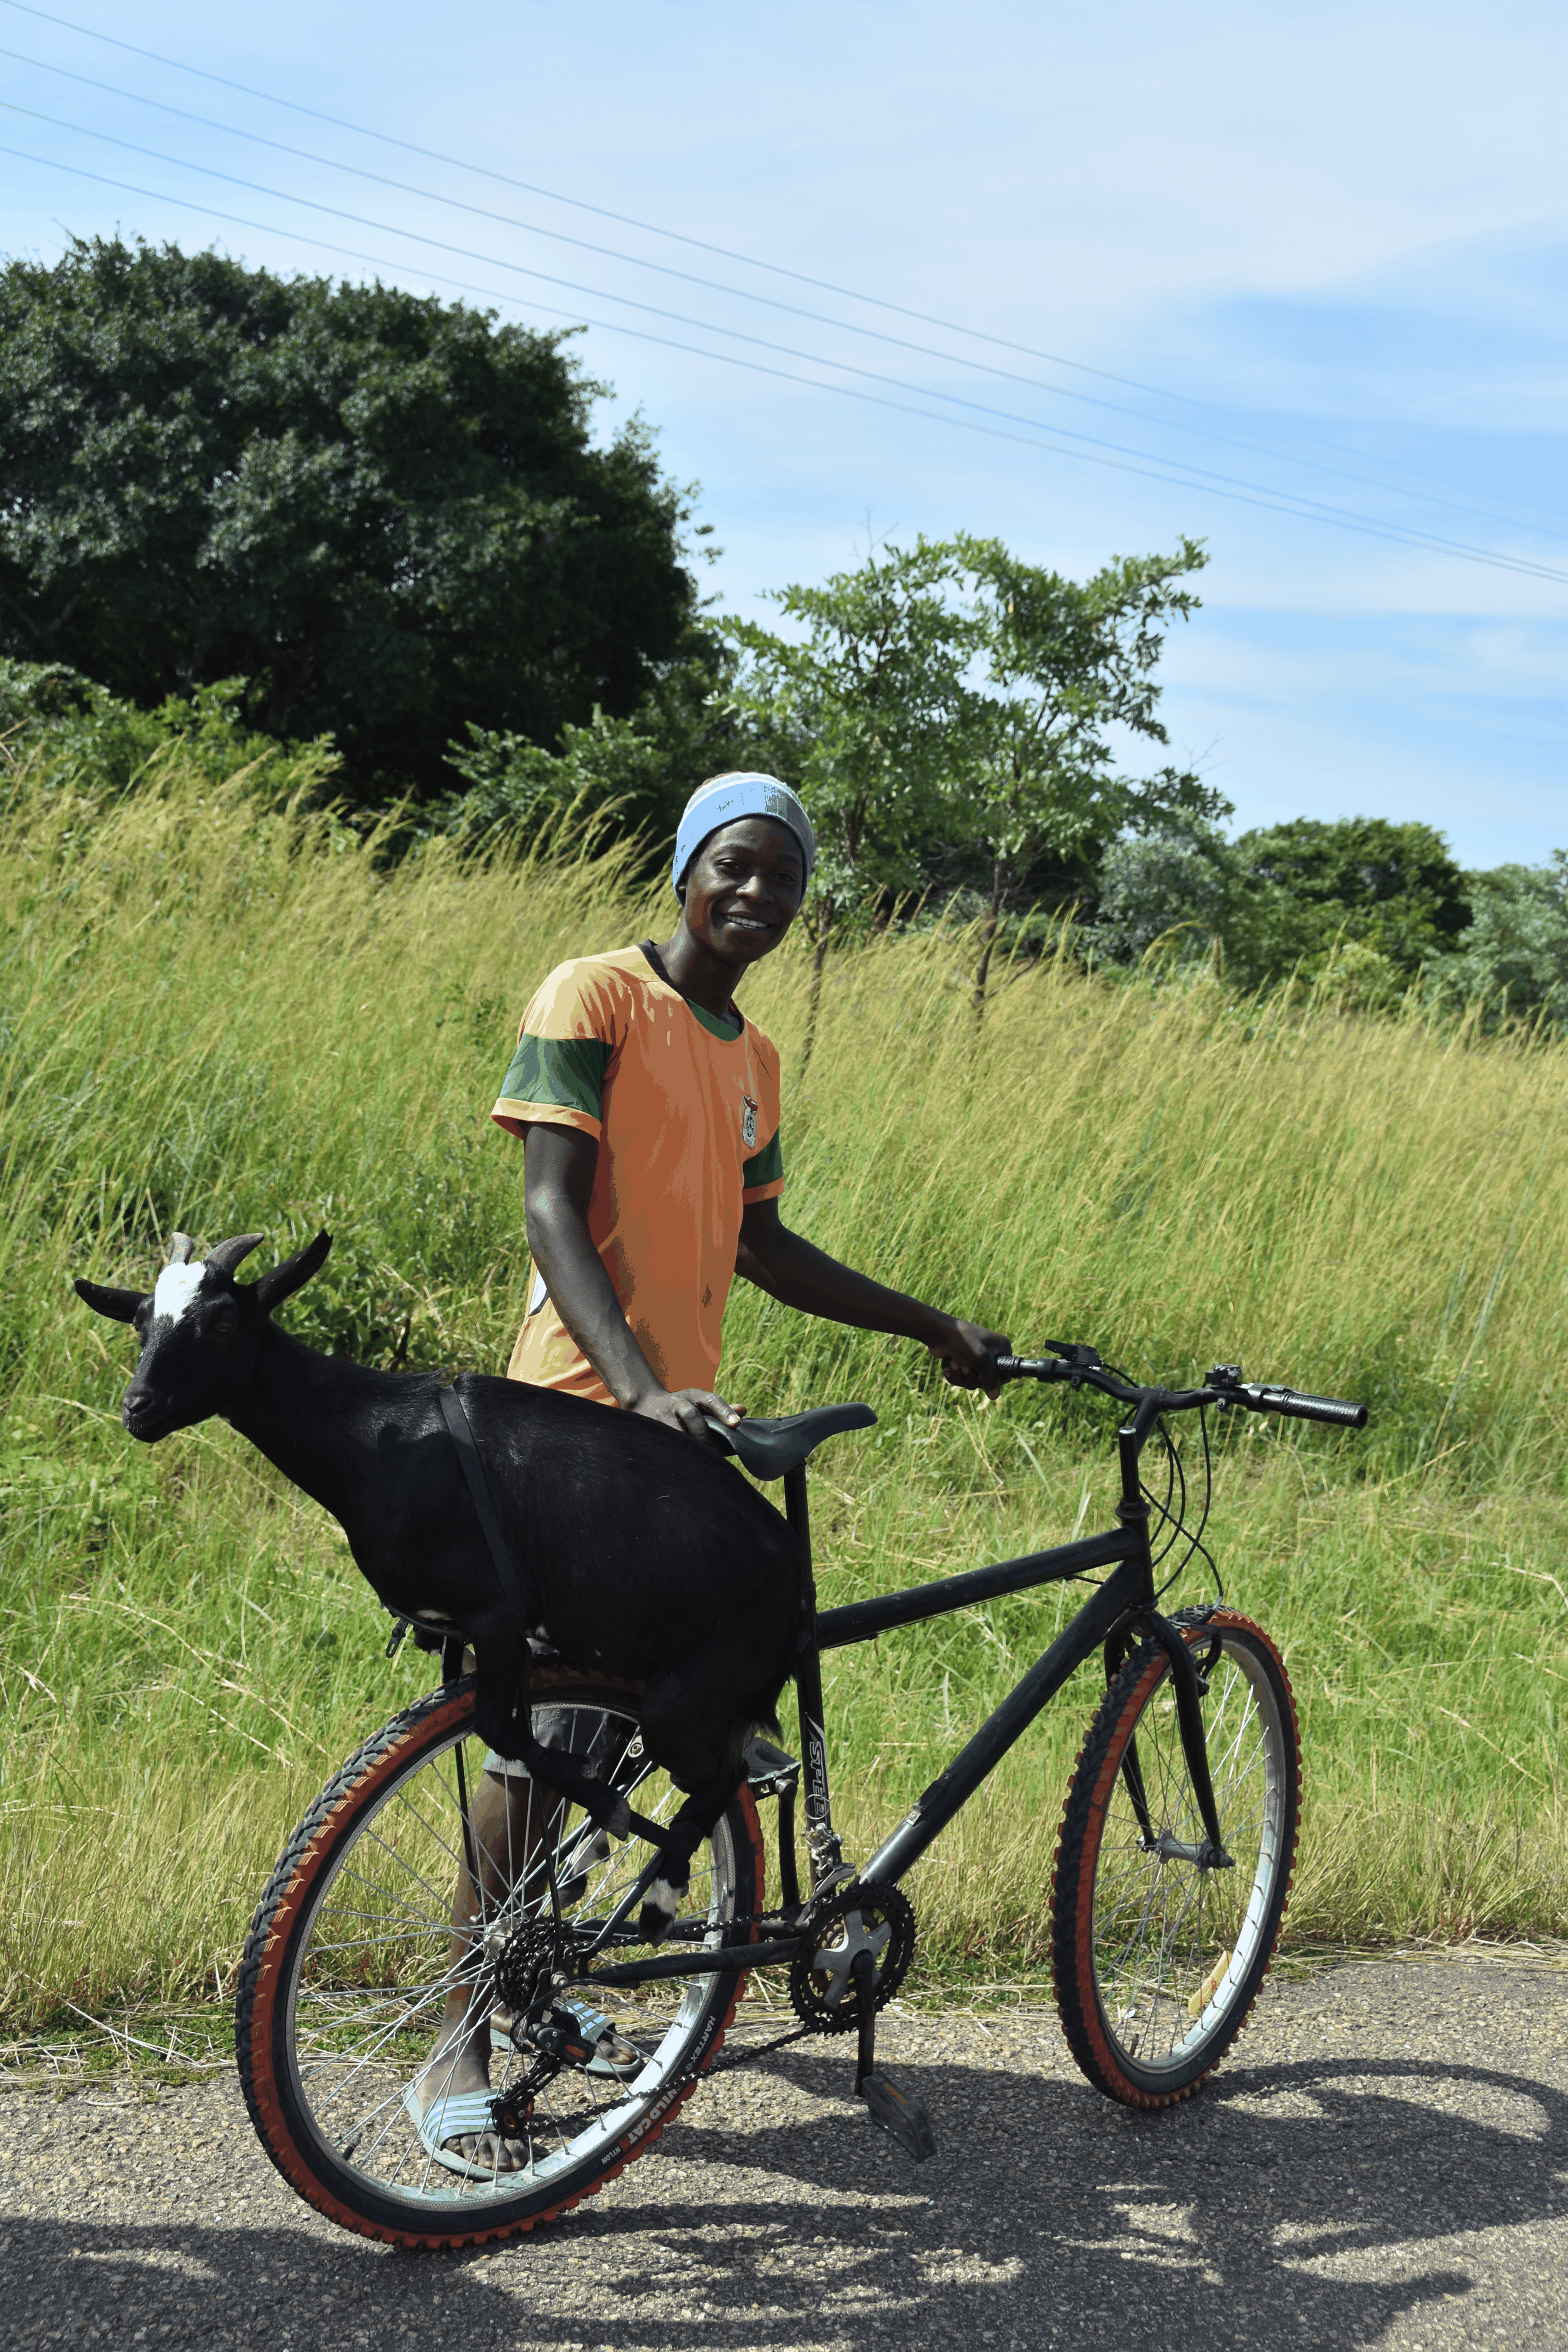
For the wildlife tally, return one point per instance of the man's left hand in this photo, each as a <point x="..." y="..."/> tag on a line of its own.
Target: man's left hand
<point x="968" y="1354"/>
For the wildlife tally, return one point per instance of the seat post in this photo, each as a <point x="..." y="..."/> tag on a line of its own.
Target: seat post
<point x="821" y="1844"/>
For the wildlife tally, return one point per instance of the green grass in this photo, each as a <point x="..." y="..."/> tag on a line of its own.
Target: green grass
<point x="225" y="1018"/>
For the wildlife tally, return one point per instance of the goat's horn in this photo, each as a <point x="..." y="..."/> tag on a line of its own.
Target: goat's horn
<point x="227" y="1254"/>
<point x="181" y="1250"/>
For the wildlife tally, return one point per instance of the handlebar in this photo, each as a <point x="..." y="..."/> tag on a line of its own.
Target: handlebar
<point x="1297" y="1407"/>
<point x="1072" y="1362"/>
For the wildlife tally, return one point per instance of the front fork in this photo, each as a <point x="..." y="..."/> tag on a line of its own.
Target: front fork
<point x="1189" y="1687"/>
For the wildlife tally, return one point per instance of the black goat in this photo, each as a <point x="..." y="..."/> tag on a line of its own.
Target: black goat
<point x="639" y="1552"/>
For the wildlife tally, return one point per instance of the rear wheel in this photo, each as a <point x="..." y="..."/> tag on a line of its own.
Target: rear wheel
<point x="407" y="1928"/>
<point x="1158" y="1958"/>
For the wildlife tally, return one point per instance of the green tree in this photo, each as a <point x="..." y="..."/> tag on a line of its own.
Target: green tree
<point x="646" y="767"/>
<point x="1516" y="950"/>
<point x="1061" y="662"/>
<point x="860" y="711"/>
<point x="1173" y="879"/>
<point x="1306" y="885"/>
<point x="383" y="511"/>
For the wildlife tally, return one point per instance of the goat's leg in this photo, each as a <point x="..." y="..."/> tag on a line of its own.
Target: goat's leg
<point x="692" y="1726"/>
<point x="684" y="1730"/>
<point x="697" y="1820"/>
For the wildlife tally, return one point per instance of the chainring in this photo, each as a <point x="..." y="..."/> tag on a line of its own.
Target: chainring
<point x="824" y="1995"/>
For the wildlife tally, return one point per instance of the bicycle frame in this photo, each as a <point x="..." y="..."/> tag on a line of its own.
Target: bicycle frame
<point x="1123" y="1605"/>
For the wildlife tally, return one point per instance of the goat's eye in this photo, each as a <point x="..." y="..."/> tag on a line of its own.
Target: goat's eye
<point x="223" y="1327"/>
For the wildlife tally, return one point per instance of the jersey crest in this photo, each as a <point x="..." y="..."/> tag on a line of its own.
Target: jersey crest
<point x="748" y="1123"/>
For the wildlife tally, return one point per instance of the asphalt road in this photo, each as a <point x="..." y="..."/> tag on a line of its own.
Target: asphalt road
<point x="1382" y="2161"/>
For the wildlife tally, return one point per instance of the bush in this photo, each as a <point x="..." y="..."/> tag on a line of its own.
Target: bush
<point x="1173" y="881"/>
<point x="77" y="733"/>
<point x="1516" y="951"/>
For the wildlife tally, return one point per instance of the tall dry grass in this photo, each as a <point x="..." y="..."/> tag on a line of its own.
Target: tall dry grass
<point x="223" y="1017"/>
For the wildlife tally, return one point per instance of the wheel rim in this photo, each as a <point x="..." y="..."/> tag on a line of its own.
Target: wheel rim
<point x="374" y="1965"/>
<point x="1176" y="1945"/>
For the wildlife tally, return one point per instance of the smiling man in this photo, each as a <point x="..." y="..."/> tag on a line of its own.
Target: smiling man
<point x="653" y="1157"/>
<point x="652" y="1168"/>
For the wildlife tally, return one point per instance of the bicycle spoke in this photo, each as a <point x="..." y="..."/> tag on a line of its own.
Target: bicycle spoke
<point x="394" y="1985"/>
<point x="1173" y="1940"/>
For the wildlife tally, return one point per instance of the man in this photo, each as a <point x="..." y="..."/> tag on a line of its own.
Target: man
<point x="652" y="1156"/>
<point x="653" y="1162"/>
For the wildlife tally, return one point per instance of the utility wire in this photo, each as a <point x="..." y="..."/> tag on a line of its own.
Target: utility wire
<point x="1188" y="475"/>
<point x="751" y="261"/>
<point x="580" y="204"/>
<point x="1277" y="504"/>
<point x="818" y="317"/>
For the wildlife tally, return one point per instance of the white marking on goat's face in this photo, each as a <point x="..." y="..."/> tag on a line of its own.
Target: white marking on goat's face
<point x="176" y="1292"/>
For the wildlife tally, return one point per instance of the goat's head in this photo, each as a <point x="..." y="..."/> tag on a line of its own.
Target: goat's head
<point x="200" y="1330"/>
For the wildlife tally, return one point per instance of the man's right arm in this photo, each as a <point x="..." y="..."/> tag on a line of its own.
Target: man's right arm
<point x="559" y="1164"/>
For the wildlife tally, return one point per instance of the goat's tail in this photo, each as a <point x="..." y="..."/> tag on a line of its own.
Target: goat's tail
<point x="758" y="1713"/>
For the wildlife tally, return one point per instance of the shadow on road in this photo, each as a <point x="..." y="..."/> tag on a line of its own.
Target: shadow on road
<point x="1052" y="2216"/>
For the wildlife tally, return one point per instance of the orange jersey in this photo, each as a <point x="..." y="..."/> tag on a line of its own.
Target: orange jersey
<point x="686" y="1110"/>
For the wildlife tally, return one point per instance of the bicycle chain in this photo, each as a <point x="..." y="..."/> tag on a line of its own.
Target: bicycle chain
<point x="844" y="2016"/>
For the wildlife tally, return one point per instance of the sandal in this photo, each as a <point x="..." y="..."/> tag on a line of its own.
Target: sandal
<point x="612" y="2053"/>
<point x="458" y="2116"/>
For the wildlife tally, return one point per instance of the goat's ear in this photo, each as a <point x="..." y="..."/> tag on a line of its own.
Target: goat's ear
<point x="120" y="1305"/>
<point x="292" y="1275"/>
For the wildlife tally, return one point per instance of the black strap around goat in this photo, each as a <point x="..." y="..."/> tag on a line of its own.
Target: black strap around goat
<point x="500" y="1550"/>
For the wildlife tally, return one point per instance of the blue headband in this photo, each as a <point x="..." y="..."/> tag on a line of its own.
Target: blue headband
<point x="724" y="798"/>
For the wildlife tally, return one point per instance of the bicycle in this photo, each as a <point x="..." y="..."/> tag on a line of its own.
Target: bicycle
<point x="1173" y="1869"/>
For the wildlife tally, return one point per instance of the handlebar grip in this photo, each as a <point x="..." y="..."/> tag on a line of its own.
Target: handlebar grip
<point x="1295" y="1406"/>
<point x="1028" y="1368"/>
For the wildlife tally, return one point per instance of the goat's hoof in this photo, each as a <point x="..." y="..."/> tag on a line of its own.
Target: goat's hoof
<point x="659" y="1905"/>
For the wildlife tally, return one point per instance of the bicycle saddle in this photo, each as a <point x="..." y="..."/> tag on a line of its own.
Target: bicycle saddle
<point x="768" y="1449"/>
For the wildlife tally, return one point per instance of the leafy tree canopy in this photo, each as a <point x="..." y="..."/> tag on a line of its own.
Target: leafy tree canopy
<point x="384" y="512"/>
<point x="1516" y="951"/>
<point x="860" y="708"/>
<point x="1060" y="662"/>
<point x="1302" y="886"/>
<point x="946" y="708"/>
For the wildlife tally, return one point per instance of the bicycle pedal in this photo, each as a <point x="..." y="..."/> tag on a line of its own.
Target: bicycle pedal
<point x="902" y="2114"/>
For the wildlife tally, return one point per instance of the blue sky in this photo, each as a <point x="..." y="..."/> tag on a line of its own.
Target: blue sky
<point x="1320" y="259"/>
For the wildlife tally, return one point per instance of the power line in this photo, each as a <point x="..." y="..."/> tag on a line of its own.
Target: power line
<point x="1190" y="476"/>
<point x="818" y="317"/>
<point x="1342" y="473"/>
<point x="580" y="204"/>
<point x="1282" y="503"/>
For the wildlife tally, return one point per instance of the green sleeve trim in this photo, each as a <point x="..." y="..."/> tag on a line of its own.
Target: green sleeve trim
<point x="767" y="1168"/>
<point x="568" y="1072"/>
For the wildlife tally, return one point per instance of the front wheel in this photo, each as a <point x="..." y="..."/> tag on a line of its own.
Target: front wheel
<point x="1158" y="1957"/>
<point x="405" y="1942"/>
